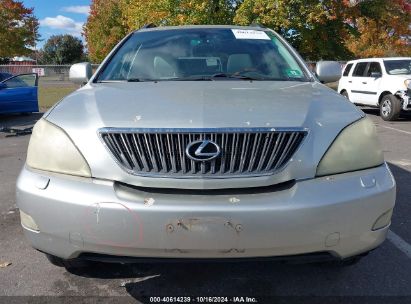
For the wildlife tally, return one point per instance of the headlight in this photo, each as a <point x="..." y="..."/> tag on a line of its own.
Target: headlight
<point x="408" y="84"/>
<point x="51" y="149"/>
<point x="355" y="148"/>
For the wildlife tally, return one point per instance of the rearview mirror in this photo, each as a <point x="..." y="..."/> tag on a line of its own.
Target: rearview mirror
<point x="80" y="73"/>
<point x="328" y="71"/>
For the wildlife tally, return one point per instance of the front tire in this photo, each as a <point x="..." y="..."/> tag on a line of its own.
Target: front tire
<point x="390" y="107"/>
<point x="68" y="264"/>
<point x="351" y="261"/>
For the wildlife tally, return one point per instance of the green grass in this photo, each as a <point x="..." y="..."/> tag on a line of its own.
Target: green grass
<point x="49" y="95"/>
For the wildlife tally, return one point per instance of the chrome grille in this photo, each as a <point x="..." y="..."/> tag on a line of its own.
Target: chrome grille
<point x="161" y="152"/>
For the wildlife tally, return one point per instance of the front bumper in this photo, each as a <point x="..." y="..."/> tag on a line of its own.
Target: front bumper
<point x="406" y="99"/>
<point x="331" y="214"/>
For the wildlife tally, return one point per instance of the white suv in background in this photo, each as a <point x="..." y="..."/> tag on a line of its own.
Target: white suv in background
<point x="379" y="82"/>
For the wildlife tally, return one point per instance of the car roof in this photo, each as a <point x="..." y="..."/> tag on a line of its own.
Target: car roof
<point x="183" y="27"/>
<point x="378" y="59"/>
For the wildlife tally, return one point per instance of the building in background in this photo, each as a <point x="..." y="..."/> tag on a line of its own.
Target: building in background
<point x="21" y="65"/>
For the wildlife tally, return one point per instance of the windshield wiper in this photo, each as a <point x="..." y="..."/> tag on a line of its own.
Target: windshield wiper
<point x="124" y="80"/>
<point x="233" y="76"/>
<point x="215" y="77"/>
<point x="136" y="80"/>
<point x="191" y="78"/>
<point x="244" y="77"/>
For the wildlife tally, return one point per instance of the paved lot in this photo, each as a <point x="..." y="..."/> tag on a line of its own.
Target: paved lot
<point x="385" y="272"/>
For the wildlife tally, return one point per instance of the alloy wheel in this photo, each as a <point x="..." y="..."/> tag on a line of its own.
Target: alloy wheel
<point x="386" y="107"/>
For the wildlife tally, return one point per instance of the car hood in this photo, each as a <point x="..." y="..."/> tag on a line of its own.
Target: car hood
<point x="205" y="104"/>
<point x="202" y="105"/>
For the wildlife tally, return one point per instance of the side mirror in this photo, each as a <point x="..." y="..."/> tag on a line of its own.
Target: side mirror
<point x="80" y="73"/>
<point x="376" y="75"/>
<point x="328" y="71"/>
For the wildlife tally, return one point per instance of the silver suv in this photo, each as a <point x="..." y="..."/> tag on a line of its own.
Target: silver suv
<point x="204" y="142"/>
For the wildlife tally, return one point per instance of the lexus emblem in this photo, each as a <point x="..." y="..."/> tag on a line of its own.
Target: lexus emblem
<point x="203" y="150"/>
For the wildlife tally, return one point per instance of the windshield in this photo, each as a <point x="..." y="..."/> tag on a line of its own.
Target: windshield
<point x="202" y="54"/>
<point x="398" y="67"/>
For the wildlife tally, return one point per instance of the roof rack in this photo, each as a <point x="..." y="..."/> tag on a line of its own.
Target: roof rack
<point x="257" y="25"/>
<point x="148" y="25"/>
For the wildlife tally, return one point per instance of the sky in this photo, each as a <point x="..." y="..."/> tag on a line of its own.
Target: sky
<point x="59" y="17"/>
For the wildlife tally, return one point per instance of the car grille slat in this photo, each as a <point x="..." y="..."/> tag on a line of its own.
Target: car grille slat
<point x="130" y="150"/>
<point x="120" y="148"/>
<point x="140" y="154"/>
<point x="222" y="143"/>
<point x="162" y="152"/>
<point x="267" y="141"/>
<point x="232" y="152"/>
<point x="213" y="139"/>
<point x="278" y="142"/>
<point x="286" y="149"/>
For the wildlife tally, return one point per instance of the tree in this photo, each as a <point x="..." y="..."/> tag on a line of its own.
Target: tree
<point x="18" y="29"/>
<point x="63" y="49"/>
<point x="178" y="12"/>
<point x="382" y="29"/>
<point x="317" y="29"/>
<point x="104" y="28"/>
<point x="111" y="20"/>
<point x="333" y="29"/>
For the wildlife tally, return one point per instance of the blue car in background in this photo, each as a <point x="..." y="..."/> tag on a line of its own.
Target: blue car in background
<point x="18" y="93"/>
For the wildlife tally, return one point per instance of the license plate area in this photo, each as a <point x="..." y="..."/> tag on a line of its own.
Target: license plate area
<point x="203" y="233"/>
